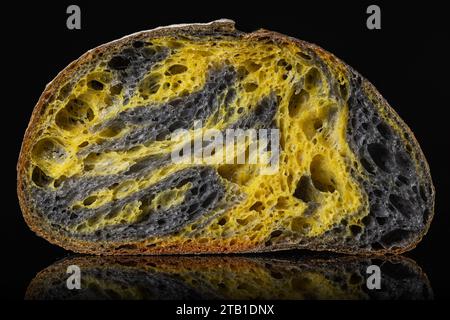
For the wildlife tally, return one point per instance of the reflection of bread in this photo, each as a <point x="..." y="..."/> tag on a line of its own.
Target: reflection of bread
<point x="230" y="278"/>
<point x="95" y="173"/>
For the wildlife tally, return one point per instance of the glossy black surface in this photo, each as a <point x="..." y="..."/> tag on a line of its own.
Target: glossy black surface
<point x="261" y="277"/>
<point x="405" y="60"/>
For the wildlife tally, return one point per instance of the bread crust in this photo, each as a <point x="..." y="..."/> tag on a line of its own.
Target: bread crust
<point x="224" y="26"/>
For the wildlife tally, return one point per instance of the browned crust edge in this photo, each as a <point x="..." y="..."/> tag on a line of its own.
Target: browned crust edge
<point x="225" y="26"/>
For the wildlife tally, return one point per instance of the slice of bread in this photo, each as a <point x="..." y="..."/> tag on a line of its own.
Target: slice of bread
<point x="225" y="277"/>
<point x="96" y="175"/>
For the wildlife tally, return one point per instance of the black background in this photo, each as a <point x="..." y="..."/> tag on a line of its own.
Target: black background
<point x="404" y="60"/>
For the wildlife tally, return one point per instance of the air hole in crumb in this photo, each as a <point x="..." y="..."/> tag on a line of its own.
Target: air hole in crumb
<point x="257" y="206"/>
<point x="402" y="160"/>
<point x="89" y="200"/>
<point x="116" y="89"/>
<point x="250" y="86"/>
<point x="304" y="190"/>
<point x="343" y="90"/>
<point x="384" y="130"/>
<point x="76" y="113"/>
<point x="318" y="124"/>
<point x="112" y="130"/>
<point x="138" y="44"/>
<point x="276" y="233"/>
<point x="48" y="149"/>
<point x="150" y="85"/>
<point x="403" y="179"/>
<point x="252" y="66"/>
<point x="422" y="193"/>
<point x="401" y="204"/>
<point x="381" y="156"/>
<point x="321" y="176"/>
<point x="304" y="55"/>
<point x="381" y="220"/>
<point x="276" y="275"/>
<point x="40" y="178"/>
<point x="366" y="164"/>
<point x="355" y="230"/>
<point x="209" y="200"/>
<point x="176" y="69"/>
<point x="95" y="85"/>
<point x="312" y="79"/>
<point x="296" y="102"/>
<point x="395" y="237"/>
<point x="59" y="181"/>
<point x="118" y="63"/>
<point x="298" y="224"/>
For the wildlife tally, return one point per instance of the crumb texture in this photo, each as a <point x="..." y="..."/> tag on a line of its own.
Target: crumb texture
<point x="399" y="199"/>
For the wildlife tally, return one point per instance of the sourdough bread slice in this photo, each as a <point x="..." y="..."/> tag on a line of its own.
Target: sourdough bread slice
<point x="96" y="172"/>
